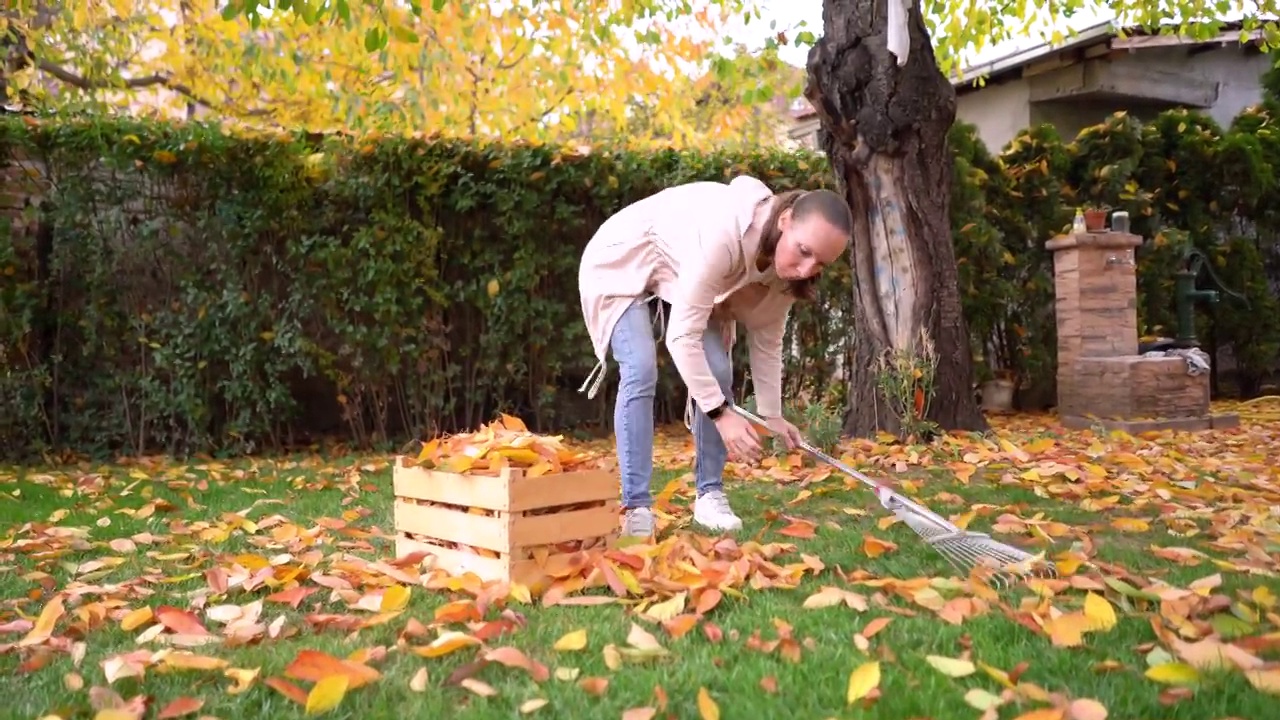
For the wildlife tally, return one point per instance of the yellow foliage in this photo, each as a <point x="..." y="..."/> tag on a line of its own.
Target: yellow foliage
<point x="538" y="70"/>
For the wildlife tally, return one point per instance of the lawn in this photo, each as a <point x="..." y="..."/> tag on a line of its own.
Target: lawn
<point x="230" y="588"/>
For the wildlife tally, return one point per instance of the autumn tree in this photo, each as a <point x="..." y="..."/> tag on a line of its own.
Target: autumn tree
<point x="532" y="69"/>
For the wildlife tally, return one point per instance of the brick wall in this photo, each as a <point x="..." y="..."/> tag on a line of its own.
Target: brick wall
<point x="1135" y="387"/>
<point x="1100" y="373"/>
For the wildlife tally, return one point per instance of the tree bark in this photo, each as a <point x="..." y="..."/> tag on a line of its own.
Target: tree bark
<point x="884" y="128"/>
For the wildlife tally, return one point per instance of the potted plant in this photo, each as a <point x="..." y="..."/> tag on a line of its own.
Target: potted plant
<point x="997" y="393"/>
<point x="1095" y="218"/>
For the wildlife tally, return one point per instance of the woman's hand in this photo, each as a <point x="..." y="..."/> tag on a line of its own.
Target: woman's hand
<point x="790" y="433"/>
<point x="739" y="436"/>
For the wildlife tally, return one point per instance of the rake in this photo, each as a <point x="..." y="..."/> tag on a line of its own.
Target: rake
<point x="965" y="550"/>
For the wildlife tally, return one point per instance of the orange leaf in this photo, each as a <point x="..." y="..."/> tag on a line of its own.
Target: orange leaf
<point x="875" y="547"/>
<point x="293" y="596"/>
<point x="314" y="666"/>
<point x="515" y="658"/>
<point x="288" y="689"/>
<point x="708" y="599"/>
<point x="179" y="707"/>
<point x="179" y="621"/>
<point x="799" y="528"/>
<point x="680" y="625"/>
<point x="875" y="626"/>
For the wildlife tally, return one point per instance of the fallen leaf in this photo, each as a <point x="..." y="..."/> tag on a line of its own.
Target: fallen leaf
<point x="418" y="683"/>
<point x="1173" y="673"/>
<point x="180" y="707"/>
<point x="1086" y="709"/>
<point x="1101" y="615"/>
<point x="862" y="680"/>
<point x="707" y="707"/>
<point x="576" y="640"/>
<point x="479" y="687"/>
<point x="532" y="705"/>
<point x="951" y="667"/>
<point x="326" y="694"/>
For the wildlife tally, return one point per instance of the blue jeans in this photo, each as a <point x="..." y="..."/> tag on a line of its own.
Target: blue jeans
<point x="634" y="347"/>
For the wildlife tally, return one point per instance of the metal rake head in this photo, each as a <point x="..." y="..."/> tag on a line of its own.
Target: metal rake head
<point x="995" y="562"/>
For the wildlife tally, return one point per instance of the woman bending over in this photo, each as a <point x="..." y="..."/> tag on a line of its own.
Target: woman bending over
<point x="720" y="254"/>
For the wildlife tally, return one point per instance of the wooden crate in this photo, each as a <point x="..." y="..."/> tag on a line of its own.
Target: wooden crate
<point x="527" y="524"/>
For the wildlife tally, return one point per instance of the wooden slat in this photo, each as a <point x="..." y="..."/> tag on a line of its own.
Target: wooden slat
<point x="561" y="527"/>
<point x="491" y="533"/>
<point x="456" y="562"/>
<point x="490" y="493"/>
<point x="532" y="493"/>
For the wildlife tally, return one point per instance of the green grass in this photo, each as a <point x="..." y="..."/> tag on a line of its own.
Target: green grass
<point x="814" y="687"/>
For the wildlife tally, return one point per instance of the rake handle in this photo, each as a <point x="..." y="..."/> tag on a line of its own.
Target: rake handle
<point x="883" y="492"/>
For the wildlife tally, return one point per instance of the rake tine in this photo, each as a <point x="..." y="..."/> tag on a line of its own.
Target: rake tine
<point x="963" y="549"/>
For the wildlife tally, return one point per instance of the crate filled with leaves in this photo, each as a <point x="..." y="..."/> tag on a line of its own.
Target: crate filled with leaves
<point x="503" y="503"/>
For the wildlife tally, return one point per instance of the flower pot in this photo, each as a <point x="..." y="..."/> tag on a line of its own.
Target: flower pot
<point x="1095" y="220"/>
<point x="997" y="395"/>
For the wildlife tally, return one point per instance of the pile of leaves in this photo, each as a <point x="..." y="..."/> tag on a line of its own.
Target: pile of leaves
<point x="501" y="444"/>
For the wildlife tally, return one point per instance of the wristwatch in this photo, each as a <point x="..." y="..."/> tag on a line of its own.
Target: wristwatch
<point x="715" y="412"/>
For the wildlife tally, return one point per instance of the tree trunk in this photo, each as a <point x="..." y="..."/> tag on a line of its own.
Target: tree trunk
<point x="884" y="128"/>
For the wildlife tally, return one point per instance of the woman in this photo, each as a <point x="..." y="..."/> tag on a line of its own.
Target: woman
<point x="719" y="254"/>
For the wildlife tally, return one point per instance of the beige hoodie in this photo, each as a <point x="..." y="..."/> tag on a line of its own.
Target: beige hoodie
<point x="694" y="246"/>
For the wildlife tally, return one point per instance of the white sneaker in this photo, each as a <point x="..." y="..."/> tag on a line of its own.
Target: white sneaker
<point x="637" y="522"/>
<point x="712" y="511"/>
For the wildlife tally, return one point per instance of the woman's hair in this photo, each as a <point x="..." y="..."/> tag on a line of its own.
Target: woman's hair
<point x="803" y="204"/>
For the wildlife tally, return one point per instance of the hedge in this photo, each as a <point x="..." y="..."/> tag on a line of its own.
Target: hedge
<point x="180" y="289"/>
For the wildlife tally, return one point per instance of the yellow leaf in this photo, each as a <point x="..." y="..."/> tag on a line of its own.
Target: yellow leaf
<point x="1173" y="673"/>
<point x="707" y="707"/>
<point x="448" y="642"/>
<point x="1099" y="612"/>
<point x="326" y="694"/>
<point x="951" y="667"/>
<point x="136" y="618"/>
<point x="575" y="640"/>
<point x="1134" y="525"/>
<point x="862" y="680"/>
<point x="529" y="706"/>
<point x="666" y="609"/>
<point x="493" y="288"/>
<point x="394" y="598"/>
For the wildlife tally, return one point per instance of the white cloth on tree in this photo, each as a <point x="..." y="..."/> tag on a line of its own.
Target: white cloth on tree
<point x="898" y="38"/>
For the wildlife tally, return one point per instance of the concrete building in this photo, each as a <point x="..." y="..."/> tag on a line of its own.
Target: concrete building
<point x="1094" y="74"/>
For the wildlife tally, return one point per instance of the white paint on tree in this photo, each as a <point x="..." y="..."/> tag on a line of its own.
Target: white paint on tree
<point x="894" y="271"/>
<point x="899" y="40"/>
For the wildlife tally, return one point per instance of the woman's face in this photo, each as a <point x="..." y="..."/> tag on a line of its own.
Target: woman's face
<point x="806" y="246"/>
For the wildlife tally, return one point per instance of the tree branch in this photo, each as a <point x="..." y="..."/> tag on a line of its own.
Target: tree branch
<point x="138" y="83"/>
<point x="537" y="118"/>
